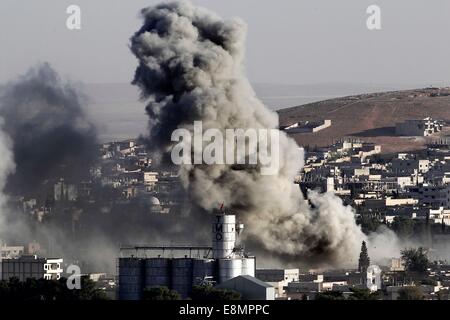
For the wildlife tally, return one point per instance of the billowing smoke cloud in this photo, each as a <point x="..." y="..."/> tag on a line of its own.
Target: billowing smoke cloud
<point x="191" y="68"/>
<point x="51" y="134"/>
<point x="44" y="136"/>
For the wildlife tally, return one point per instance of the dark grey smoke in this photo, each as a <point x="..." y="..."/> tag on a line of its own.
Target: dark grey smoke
<point x="191" y="68"/>
<point x="52" y="137"/>
<point x="45" y="134"/>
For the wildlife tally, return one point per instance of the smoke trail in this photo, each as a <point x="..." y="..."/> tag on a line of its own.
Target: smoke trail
<point x="191" y="68"/>
<point x="51" y="134"/>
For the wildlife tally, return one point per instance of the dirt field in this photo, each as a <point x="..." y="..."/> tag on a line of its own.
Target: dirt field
<point x="371" y="117"/>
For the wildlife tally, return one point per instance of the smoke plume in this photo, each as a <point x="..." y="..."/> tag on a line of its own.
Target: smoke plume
<point x="191" y="68"/>
<point x="45" y="135"/>
<point x="51" y="134"/>
<point x="7" y="167"/>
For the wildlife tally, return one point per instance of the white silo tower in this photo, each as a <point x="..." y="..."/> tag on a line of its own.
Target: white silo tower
<point x="224" y="235"/>
<point x="231" y="260"/>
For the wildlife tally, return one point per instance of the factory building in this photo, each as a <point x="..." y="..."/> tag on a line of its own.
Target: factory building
<point x="181" y="267"/>
<point x="31" y="267"/>
<point x="250" y="288"/>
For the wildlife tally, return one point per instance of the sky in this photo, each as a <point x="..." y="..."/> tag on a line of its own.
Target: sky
<point x="288" y="42"/>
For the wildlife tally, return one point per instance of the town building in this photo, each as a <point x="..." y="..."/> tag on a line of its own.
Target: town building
<point x="420" y="127"/>
<point x="278" y="278"/>
<point x="307" y="126"/>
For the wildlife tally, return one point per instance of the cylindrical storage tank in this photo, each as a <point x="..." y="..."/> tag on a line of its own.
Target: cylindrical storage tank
<point x="157" y="272"/>
<point x="229" y="268"/>
<point x="248" y="266"/>
<point x="203" y="269"/>
<point x="130" y="278"/>
<point x="182" y="269"/>
<point x="223" y="236"/>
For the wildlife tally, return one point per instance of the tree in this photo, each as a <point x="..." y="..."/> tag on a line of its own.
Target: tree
<point x="403" y="227"/>
<point x="208" y="292"/>
<point x="160" y="293"/>
<point x="40" y="289"/>
<point x="410" y="293"/>
<point x="364" y="260"/>
<point x="429" y="282"/>
<point x="415" y="260"/>
<point x="368" y="223"/>
<point x="364" y="294"/>
<point x="330" y="295"/>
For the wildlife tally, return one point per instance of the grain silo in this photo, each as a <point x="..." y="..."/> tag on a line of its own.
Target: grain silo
<point x="182" y="271"/>
<point x="131" y="278"/>
<point x="157" y="272"/>
<point x="180" y="268"/>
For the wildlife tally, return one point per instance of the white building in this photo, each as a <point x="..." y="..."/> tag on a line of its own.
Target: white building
<point x="278" y="278"/>
<point x="150" y="178"/>
<point x="440" y="215"/>
<point x="420" y="127"/>
<point x="396" y="264"/>
<point x="307" y="126"/>
<point x="373" y="278"/>
<point x="53" y="270"/>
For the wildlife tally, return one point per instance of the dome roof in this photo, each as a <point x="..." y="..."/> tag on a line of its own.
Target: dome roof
<point x="154" y="201"/>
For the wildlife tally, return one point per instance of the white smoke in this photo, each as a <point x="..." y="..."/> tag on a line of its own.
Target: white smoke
<point x="191" y="68"/>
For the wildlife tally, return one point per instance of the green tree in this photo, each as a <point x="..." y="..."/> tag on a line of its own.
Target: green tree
<point x="403" y="227"/>
<point x="410" y="293"/>
<point x="364" y="260"/>
<point x="208" y="292"/>
<point x="88" y="291"/>
<point x="443" y="294"/>
<point x="364" y="294"/>
<point x="330" y="295"/>
<point x="40" y="289"/>
<point x="160" y="293"/>
<point x="429" y="282"/>
<point x="368" y="223"/>
<point x="415" y="260"/>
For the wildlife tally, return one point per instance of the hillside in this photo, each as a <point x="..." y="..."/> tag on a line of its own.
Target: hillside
<point x="371" y="117"/>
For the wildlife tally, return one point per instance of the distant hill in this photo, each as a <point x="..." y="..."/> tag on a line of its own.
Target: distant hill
<point x="371" y="117"/>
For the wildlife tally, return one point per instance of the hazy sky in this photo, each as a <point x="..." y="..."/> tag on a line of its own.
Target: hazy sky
<point x="289" y="41"/>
